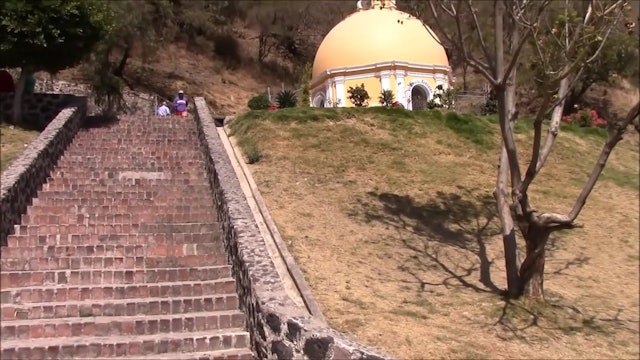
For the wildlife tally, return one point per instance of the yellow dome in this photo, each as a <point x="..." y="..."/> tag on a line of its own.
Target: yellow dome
<point x="375" y="36"/>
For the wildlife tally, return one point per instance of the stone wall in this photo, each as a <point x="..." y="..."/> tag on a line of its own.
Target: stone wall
<point x="38" y="109"/>
<point x="134" y="101"/>
<point x="279" y="328"/>
<point x="24" y="177"/>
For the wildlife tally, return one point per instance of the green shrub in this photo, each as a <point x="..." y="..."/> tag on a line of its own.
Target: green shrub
<point x="259" y="102"/>
<point x="491" y="104"/>
<point x="358" y="96"/>
<point x="306" y="84"/>
<point x="386" y="98"/>
<point x="286" y="99"/>
<point x="250" y="148"/>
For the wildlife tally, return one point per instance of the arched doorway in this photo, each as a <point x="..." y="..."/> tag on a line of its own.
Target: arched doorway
<point x="419" y="98"/>
<point x="318" y="101"/>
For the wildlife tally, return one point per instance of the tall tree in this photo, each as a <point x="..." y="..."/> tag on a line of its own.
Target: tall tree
<point x="565" y="38"/>
<point x="48" y="36"/>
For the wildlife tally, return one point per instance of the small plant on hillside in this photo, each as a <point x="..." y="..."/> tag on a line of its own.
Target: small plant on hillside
<point x="446" y="98"/>
<point x="251" y="150"/>
<point x="286" y="99"/>
<point x="432" y="104"/>
<point x="306" y="85"/>
<point x="358" y="96"/>
<point x="259" y="102"/>
<point x="386" y="98"/>
<point x="585" y="118"/>
<point x="397" y="104"/>
<point x="490" y="106"/>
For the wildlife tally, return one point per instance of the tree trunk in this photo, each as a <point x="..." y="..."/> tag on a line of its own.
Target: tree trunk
<point x="18" y="95"/>
<point x="509" y="240"/>
<point x="464" y="77"/>
<point x="532" y="269"/>
<point x="119" y="71"/>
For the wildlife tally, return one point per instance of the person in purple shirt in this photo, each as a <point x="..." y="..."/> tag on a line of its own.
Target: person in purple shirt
<point x="180" y="104"/>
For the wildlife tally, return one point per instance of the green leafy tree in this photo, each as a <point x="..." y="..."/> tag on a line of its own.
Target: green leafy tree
<point x="142" y="25"/>
<point x="48" y="36"/>
<point x="358" y="96"/>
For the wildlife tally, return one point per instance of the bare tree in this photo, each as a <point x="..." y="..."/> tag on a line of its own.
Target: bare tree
<point x="558" y="34"/>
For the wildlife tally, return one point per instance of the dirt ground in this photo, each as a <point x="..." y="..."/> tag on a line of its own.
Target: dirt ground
<point x="396" y="234"/>
<point x="13" y="141"/>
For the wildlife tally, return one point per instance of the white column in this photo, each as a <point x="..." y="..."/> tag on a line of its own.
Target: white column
<point x="400" y="88"/>
<point x="329" y="94"/>
<point x="385" y="80"/>
<point x="340" y="92"/>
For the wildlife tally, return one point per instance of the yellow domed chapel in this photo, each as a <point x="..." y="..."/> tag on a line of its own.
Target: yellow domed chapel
<point x="384" y="49"/>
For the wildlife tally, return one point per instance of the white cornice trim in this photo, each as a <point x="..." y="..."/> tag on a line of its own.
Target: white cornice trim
<point x="376" y="66"/>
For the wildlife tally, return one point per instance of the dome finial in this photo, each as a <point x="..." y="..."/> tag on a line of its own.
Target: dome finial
<point x="376" y="4"/>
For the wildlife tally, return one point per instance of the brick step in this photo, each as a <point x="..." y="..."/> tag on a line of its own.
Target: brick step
<point x="146" y="228"/>
<point x="143" y="324"/>
<point x="188" y="155"/>
<point x="89" y="145"/>
<point x="178" y="153"/>
<point x="50" y="293"/>
<point x="216" y="258"/>
<point x="117" y="209"/>
<point x="120" y="307"/>
<point x="119" y="218"/>
<point x="103" y="244"/>
<point x="134" y="193"/>
<point x="234" y="354"/>
<point x="79" y="174"/>
<point x="123" y="134"/>
<point x="119" y="346"/>
<point x="137" y="164"/>
<point x="124" y="187"/>
<point x="104" y="180"/>
<point x="17" y="279"/>
<point x="164" y="200"/>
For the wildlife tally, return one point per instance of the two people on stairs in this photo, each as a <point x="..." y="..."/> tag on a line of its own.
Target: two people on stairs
<point x="180" y="106"/>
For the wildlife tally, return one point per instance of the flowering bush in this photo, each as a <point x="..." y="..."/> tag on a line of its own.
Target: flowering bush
<point x="585" y="118"/>
<point x="397" y="104"/>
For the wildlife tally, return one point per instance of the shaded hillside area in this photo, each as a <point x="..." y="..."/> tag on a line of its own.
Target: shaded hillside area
<point x="389" y="214"/>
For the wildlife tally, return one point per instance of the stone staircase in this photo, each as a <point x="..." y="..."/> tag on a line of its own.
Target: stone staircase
<point x="119" y="255"/>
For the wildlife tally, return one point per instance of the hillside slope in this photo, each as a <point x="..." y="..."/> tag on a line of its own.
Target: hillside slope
<point x="391" y="218"/>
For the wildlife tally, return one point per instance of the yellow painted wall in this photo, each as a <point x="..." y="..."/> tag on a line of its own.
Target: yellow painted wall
<point x="372" y="85"/>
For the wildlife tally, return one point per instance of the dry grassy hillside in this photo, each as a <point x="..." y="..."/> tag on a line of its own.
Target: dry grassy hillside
<point x="390" y="216"/>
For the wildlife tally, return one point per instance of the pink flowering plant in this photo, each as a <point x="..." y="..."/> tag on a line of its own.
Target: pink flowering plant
<point x="585" y="118"/>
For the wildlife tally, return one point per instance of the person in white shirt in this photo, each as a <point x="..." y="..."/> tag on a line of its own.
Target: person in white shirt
<point x="163" y="110"/>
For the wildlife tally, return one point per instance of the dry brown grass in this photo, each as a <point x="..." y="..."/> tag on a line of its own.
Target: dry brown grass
<point x="13" y="140"/>
<point x="391" y="221"/>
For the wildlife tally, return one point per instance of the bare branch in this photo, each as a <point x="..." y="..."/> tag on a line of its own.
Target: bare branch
<point x="483" y="44"/>
<point x="554" y="125"/>
<point x="533" y="169"/>
<point x="459" y="45"/>
<point x="614" y="137"/>
<point x="516" y="54"/>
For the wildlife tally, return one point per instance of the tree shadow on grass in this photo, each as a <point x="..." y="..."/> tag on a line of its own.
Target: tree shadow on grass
<point x="448" y="235"/>
<point x="464" y="222"/>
